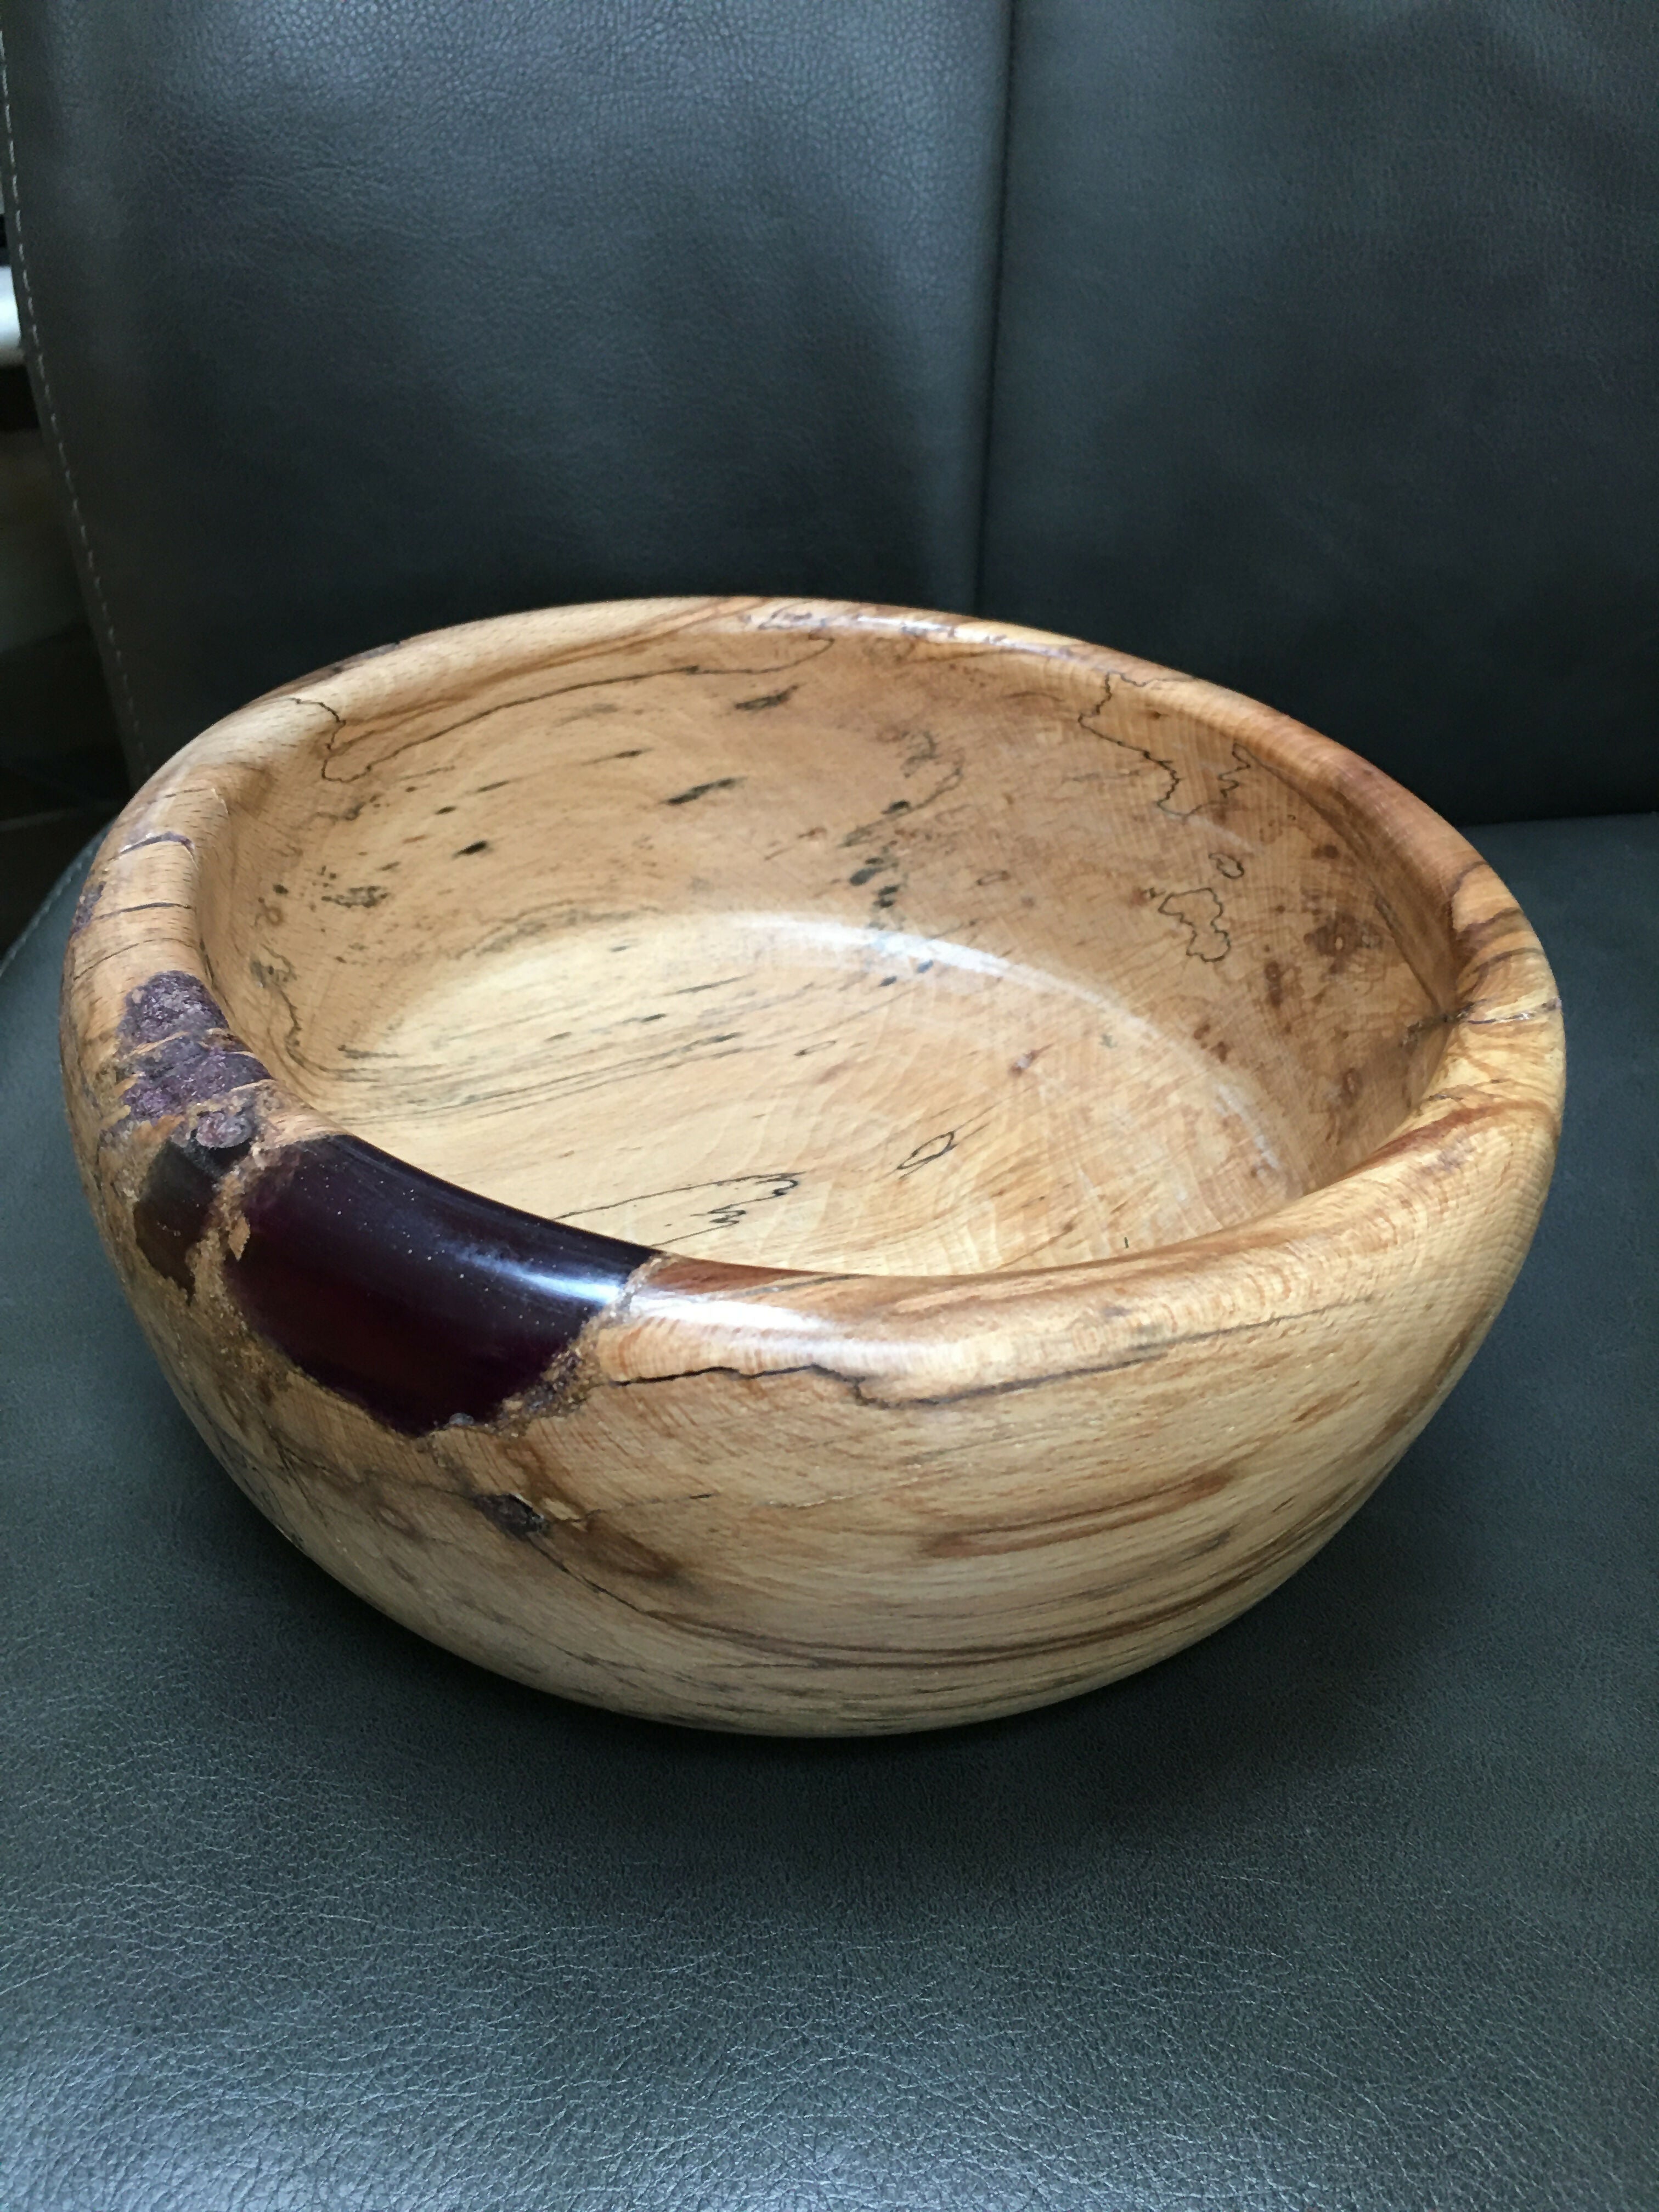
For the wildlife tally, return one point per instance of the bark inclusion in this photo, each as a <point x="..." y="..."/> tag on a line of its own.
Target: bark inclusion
<point x="426" y="1303"/>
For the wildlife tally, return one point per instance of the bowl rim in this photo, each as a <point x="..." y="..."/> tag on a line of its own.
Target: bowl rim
<point x="1490" y="1120"/>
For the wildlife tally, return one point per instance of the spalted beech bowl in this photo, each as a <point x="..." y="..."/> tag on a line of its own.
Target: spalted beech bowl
<point x="802" y="1167"/>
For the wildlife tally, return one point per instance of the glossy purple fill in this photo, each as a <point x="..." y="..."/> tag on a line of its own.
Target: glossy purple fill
<point x="424" y="1303"/>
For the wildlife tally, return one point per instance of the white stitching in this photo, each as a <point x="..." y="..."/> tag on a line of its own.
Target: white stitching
<point x="999" y="288"/>
<point x="15" y="218"/>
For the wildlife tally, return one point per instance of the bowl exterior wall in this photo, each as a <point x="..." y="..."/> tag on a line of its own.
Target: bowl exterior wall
<point x="808" y="1552"/>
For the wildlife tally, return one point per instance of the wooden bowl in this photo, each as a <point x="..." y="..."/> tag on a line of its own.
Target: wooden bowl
<point x="801" y="1167"/>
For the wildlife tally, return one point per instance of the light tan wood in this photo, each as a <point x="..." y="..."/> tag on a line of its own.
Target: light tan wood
<point x="1037" y="1137"/>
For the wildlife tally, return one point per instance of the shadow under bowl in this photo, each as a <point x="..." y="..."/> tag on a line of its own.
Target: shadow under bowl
<point x="801" y="1167"/>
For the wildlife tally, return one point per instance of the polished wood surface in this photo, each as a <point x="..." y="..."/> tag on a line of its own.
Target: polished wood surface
<point x="802" y="1167"/>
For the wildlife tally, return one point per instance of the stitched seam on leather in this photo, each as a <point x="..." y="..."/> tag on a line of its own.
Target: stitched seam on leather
<point x="994" y="342"/>
<point x="20" y="278"/>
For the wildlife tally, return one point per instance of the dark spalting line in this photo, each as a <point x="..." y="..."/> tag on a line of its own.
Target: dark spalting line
<point x="421" y="1302"/>
<point x="1226" y="782"/>
<point x="382" y="724"/>
<point x="701" y="790"/>
<point x="1199" y="938"/>
<point x="930" y="1149"/>
<point x="779" y="1184"/>
<point x="1474" y="936"/>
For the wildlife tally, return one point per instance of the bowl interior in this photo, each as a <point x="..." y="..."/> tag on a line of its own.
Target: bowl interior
<point x="828" y="949"/>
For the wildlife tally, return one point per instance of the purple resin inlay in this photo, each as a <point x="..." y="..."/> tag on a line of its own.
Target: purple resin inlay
<point x="424" y="1303"/>
<point x="173" y="1209"/>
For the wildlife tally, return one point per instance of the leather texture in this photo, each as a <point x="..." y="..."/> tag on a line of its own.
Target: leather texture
<point x="1312" y="349"/>
<point x="1327" y="369"/>
<point x="1307" y="344"/>
<point x="1352" y="1905"/>
<point x="350" y="322"/>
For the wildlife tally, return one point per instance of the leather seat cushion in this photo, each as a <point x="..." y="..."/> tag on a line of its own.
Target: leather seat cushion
<point x="1353" y="1904"/>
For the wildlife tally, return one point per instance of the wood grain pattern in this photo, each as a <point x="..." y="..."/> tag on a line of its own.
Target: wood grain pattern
<point x="802" y="1167"/>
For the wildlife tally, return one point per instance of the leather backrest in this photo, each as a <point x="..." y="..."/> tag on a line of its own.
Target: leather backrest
<point x="353" y="321"/>
<point x="1330" y="369"/>
<point x="1306" y="343"/>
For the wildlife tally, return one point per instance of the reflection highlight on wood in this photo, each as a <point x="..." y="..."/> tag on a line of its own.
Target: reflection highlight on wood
<point x="802" y="1167"/>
